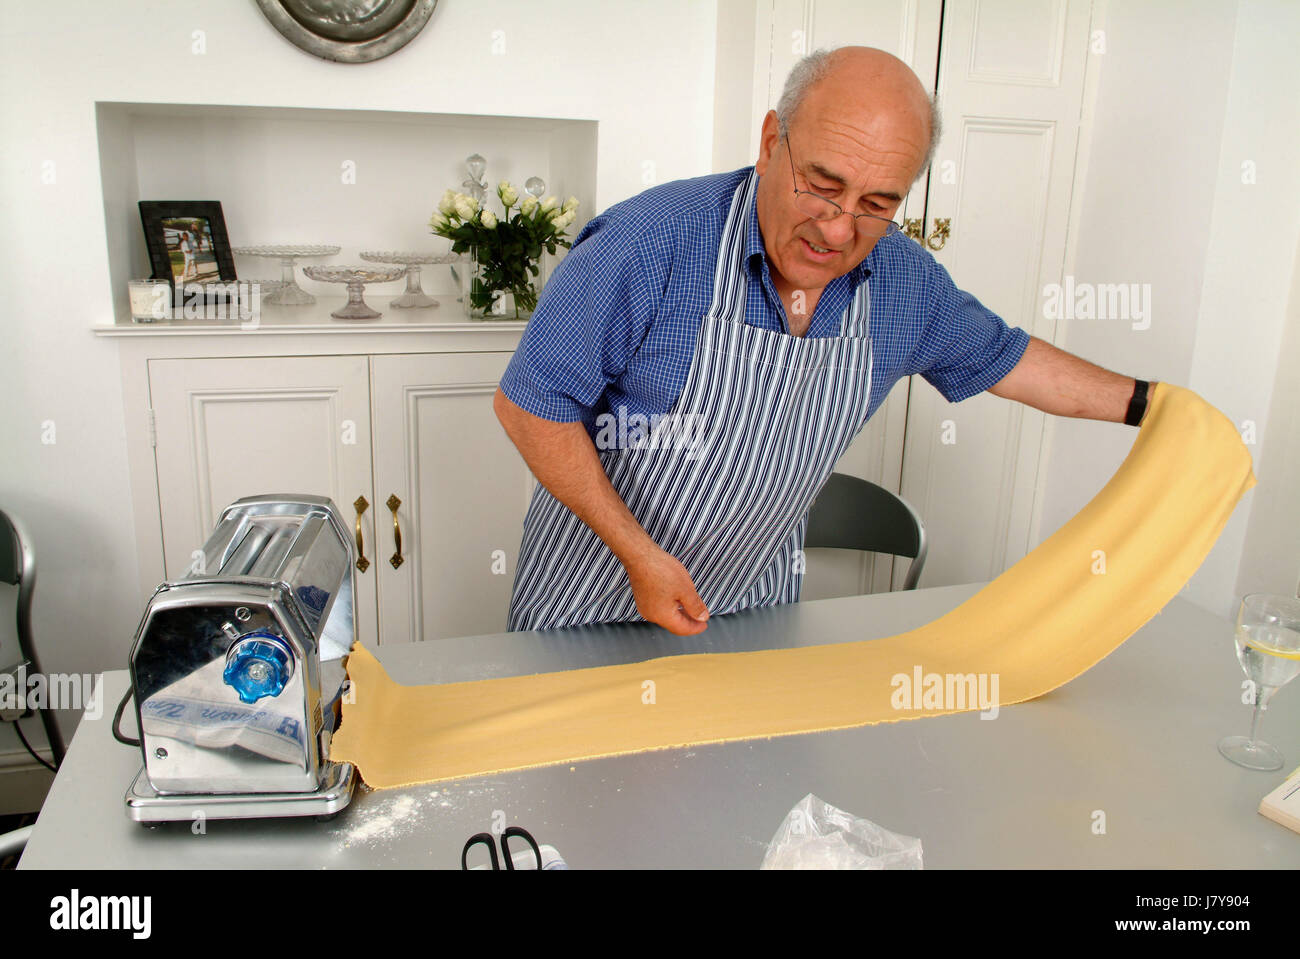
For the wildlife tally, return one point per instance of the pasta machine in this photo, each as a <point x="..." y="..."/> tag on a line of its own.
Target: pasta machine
<point x="237" y="669"/>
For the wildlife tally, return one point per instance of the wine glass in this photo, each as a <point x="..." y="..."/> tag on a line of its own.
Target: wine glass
<point x="1268" y="648"/>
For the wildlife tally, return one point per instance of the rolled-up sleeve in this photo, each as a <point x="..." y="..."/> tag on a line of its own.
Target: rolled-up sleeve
<point x="965" y="347"/>
<point x="590" y="318"/>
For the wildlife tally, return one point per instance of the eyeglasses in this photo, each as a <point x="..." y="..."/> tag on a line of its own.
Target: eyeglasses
<point x="820" y="208"/>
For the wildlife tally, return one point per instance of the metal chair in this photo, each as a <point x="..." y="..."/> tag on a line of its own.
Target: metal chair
<point x="14" y="842"/>
<point x="853" y="513"/>
<point x="18" y="568"/>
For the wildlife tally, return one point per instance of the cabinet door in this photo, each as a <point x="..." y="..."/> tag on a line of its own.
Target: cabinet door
<point x="909" y="29"/>
<point x="1011" y="86"/>
<point x="463" y="491"/>
<point x="233" y="427"/>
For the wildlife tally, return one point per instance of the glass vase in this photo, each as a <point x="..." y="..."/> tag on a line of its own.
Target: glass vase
<point x="486" y="299"/>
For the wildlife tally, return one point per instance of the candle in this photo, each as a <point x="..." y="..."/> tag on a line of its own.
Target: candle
<point x="150" y="300"/>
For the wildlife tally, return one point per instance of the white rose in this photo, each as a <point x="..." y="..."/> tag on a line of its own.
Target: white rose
<point x="570" y="204"/>
<point x="438" y="223"/>
<point x="489" y="219"/>
<point x="509" y="195"/>
<point x="465" y="207"/>
<point x="563" y="222"/>
<point x="448" y="201"/>
<point x="529" y="205"/>
<point x="550" y="203"/>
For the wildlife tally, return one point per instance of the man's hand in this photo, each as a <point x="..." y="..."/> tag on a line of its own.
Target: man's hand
<point x="564" y="460"/>
<point x="665" y="593"/>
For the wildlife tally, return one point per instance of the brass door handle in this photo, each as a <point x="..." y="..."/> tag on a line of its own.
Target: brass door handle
<point x="396" y="558"/>
<point x="362" y="563"/>
<point x="940" y="232"/>
<point x="915" y="228"/>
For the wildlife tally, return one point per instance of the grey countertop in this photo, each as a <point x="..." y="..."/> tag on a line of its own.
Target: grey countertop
<point x="1133" y="738"/>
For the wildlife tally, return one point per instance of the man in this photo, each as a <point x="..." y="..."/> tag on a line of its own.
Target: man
<point x="765" y="313"/>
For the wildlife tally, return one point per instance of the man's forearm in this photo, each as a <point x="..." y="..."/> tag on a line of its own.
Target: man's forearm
<point x="564" y="460"/>
<point x="1054" y="381"/>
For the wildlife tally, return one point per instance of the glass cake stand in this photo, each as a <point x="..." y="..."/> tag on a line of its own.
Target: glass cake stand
<point x="414" y="295"/>
<point x="356" y="277"/>
<point x="289" y="293"/>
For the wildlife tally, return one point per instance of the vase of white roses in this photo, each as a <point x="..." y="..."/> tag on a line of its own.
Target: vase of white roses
<point x="505" y="251"/>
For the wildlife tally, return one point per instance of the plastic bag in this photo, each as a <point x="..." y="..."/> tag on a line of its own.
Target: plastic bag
<point x="816" y="835"/>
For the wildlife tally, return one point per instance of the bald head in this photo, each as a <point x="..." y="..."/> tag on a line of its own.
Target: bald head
<point x="855" y="127"/>
<point x="865" y="89"/>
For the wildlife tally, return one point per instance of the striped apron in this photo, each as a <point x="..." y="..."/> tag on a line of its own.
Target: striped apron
<point x="767" y="415"/>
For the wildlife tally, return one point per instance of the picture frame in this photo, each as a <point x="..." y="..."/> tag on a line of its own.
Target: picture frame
<point x="187" y="241"/>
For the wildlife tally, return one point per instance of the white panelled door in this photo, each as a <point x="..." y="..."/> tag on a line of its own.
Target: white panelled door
<point x="1010" y="89"/>
<point x="233" y="427"/>
<point x="463" y="491"/>
<point x="1010" y="80"/>
<point x="909" y="29"/>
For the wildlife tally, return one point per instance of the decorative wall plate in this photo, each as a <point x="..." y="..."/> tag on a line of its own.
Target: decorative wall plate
<point x="348" y="31"/>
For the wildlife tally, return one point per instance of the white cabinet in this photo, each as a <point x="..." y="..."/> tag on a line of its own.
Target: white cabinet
<point x="394" y="417"/>
<point x="407" y="446"/>
<point x="463" y="490"/>
<point x="242" y="426"/>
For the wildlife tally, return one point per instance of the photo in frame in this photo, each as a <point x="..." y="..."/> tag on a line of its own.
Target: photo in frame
<point x="187" y="241"/>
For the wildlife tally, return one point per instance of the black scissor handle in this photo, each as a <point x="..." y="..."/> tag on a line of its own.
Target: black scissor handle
<point x="488" y="840"/>
<point x="527" y="837"/>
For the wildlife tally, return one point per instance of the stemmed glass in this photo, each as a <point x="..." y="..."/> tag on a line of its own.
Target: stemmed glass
<point x="1268" y="648"/>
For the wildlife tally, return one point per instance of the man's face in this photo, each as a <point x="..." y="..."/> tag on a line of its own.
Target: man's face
<point x="865" y="166"/>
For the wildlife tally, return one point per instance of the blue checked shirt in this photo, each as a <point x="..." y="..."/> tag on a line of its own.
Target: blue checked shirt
<point x="615" y="325"/>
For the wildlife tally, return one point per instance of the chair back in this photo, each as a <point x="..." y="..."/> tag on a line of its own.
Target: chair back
<point x="853" y="513"/>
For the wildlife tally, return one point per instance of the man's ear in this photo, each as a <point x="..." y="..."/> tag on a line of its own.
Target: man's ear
<point x="767" y="140"/>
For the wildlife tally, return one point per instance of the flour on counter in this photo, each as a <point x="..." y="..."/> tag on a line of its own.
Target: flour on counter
<point x="379" y="821"/>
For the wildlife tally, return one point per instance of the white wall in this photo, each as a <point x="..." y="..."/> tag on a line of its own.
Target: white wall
<point x="1187" y="90"/>
<point x="642" y="68"/>
<point x="1244" y="344"/>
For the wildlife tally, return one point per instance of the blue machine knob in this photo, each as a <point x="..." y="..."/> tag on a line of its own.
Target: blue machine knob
<point x="258" y="664"/>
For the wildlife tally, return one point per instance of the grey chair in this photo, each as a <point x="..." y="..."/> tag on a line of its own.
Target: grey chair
<point x="13" y="843"/>
<point x="18" y="568"/>
<point x="853" y="513"/>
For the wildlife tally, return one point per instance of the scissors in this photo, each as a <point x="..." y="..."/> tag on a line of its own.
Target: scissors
<point x="487" y="840"/>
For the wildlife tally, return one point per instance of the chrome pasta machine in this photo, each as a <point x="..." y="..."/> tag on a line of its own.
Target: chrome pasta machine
<point x="237" y="669"/>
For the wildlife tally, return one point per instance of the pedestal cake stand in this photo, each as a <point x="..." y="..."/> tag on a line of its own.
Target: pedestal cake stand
<point x="289" y="293"/>
<point x="414" y="295"/>
<point x="356" y="277"/>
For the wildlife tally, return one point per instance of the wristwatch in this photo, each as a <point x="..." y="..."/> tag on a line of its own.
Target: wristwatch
<point x="1137" y="405"/>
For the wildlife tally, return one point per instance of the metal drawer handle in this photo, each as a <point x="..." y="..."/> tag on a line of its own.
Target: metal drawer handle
<point x="363" y="564"/>
<point x="396" y="558"/>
